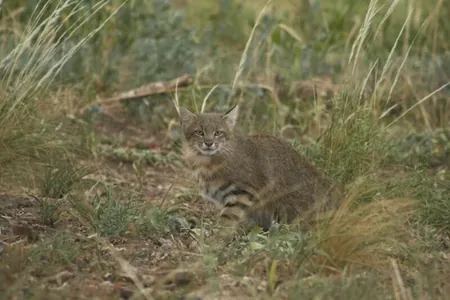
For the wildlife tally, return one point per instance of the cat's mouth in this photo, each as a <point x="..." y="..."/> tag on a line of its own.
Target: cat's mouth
<point x="208" y="150"/>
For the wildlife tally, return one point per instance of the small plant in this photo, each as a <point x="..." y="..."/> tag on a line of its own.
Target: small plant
<point x="60" y="179"/>
<point x="61" y="250"/>
<point x="49" y="210"/>
<point x="434" y="201"/>
<point x="154" y="220"/>
<point x="113" y="217"/>
<point x="140" y="171"/>
<point x="430" y="149"/>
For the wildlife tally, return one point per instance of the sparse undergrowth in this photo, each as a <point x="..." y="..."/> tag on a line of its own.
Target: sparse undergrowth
<point x="109" y="218"/>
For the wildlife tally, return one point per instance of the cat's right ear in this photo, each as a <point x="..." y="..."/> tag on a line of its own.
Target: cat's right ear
<point x="186" y="117"/>
<point x="231" y="116"/>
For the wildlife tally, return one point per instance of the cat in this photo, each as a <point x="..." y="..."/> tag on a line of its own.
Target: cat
<point x="256" y="180"/>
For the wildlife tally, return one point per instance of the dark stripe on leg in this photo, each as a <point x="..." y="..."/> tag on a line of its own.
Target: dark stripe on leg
<point x="222" y="188"/>
<point x="242" y="201"/>
<point x="237" y="192"/>
<point x="259" y="218"/>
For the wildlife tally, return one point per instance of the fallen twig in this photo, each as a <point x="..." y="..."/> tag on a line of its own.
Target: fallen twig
<point x="153" y="88"/>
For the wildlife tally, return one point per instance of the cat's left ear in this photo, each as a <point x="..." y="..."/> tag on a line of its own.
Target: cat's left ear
<point x="230" y="116"/>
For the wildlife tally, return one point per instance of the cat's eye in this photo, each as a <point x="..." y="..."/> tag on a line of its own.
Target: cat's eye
<point x="199" y="132"/>
<point x="218" y="133"/>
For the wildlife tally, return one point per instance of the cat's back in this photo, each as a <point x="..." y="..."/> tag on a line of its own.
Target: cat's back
<point x="271" y="152"/>
<point x="277" y="161"/>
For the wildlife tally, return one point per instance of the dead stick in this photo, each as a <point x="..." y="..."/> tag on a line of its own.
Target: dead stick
<point x="154" y="88"/>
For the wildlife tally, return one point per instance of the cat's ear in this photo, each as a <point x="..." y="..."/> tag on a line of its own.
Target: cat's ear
<point x="231" y="117"/>
<point x="186" y="117"/>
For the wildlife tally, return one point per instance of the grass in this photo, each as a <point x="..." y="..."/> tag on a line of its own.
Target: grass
<point x="49" y="210"/>
<point x="114" y="214"/>
<point x="28" y="70"/>
<point x="59" y="179"/>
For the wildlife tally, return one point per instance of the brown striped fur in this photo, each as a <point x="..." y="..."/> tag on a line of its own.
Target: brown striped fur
<point x="255" y="179"/>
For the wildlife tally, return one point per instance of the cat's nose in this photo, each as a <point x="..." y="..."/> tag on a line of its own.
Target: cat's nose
<point x="208" y="143"/>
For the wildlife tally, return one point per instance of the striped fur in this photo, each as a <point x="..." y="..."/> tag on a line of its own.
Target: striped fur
<point x="233" y="200"/>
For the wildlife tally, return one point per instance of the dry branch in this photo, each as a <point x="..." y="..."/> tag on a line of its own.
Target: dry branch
<point x="153" y="88"/>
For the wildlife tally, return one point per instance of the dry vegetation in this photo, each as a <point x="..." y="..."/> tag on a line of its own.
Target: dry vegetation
<point x="95" y="203"/>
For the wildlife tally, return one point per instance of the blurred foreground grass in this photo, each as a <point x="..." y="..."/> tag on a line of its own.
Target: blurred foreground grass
<point x="381" y="129"/>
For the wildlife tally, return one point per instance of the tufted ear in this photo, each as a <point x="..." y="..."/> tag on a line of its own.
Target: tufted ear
<point x="231" y="116"/>
<point x="186" y="117"/>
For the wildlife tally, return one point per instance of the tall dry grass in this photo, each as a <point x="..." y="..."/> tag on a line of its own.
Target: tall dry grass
<point x="28" y="138"/>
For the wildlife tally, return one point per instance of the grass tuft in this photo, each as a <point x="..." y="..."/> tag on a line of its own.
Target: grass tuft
<point x="49" y="210"/>
<point x="365" y="235"/>
<point x="113" y="217"/>
<point x="27" y="71"/>
<point x="60" y="179"/>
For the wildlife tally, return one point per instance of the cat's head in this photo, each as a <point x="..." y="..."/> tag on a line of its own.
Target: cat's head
<point x="208" y="134"/>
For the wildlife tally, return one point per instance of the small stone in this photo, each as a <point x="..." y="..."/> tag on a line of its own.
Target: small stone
<point x="25" y="231"/>
<point x="125" y="294"/>
<point x="148" y="280"/>
<point x="179" y="278"/>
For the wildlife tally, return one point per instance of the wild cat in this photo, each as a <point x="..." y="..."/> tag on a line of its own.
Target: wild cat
<point x="256" y="180"/>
